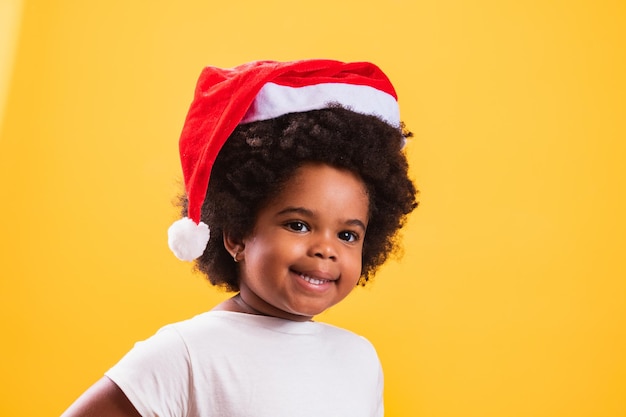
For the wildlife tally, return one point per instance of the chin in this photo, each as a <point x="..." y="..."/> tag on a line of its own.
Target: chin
<point x="309" y="312"/>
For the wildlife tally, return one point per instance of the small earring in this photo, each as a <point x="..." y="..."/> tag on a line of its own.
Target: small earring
<point x="235" y="257"/>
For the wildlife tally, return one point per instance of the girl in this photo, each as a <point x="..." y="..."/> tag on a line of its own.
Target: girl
<point x="308" y="187"/>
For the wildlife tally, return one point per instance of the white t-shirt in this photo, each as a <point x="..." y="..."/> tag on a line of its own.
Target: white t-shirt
<point x="230" y="364"/>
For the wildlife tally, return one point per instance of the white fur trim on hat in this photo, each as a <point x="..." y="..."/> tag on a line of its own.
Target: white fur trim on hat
<point x="275" y="100"/>
<point x="187" y="239"/>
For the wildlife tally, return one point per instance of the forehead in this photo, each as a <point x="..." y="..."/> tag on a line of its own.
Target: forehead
<point x="324" y="187"/>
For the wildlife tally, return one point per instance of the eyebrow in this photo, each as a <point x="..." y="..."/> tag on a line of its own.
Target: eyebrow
<point x="306" y="212"/>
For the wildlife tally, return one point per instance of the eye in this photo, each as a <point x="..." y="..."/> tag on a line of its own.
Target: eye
<point x="348" y="236"/>
<point x="297" y="226"/>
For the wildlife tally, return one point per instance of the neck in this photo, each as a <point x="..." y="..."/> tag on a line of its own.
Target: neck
<point x="245" y="307"/>
<point x="251" y="303"/>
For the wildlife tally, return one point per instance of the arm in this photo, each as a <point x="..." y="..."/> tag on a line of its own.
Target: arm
<point x="102" y="399"/>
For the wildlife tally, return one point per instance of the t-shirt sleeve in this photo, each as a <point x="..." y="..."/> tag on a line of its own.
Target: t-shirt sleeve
<point x="380" y="407"/>
<point x="371" y="360"/>
<point x="155" y="375"/>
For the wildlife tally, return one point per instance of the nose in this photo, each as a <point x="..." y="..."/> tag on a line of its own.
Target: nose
<point x="323" y="246"/>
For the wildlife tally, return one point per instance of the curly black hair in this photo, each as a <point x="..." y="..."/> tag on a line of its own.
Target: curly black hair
<point x="260" y="157"/>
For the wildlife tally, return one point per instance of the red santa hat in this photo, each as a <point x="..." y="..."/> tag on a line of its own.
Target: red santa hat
<point x="225" y="98"/>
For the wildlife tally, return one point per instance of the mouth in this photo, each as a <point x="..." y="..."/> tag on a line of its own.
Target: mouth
<point x="314" y="279"/>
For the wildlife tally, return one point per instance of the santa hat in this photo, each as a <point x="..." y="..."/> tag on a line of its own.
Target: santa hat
<point x="225" y="98"/>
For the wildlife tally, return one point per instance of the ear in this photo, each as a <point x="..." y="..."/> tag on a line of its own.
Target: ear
<point x="233" y="245"/>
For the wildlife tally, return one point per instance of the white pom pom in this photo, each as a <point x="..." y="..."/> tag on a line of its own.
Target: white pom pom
<point x="187" y="239"/>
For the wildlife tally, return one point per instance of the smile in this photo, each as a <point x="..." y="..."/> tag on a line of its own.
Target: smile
<point x="314" y="281"/>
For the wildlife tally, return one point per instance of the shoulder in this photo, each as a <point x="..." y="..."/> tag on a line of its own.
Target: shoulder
<point x="348" y="340"/>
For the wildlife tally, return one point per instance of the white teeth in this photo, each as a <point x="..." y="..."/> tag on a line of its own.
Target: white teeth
<point x="314" y="281"/>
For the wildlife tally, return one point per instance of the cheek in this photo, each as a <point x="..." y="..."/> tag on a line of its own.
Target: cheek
<point x="358" y="266"/>
<point x="355" y="263"/>
<point x="262" y="250"/>
<point x="359" y="262"/>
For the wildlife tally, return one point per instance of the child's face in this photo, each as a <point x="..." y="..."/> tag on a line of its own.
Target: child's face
<point x="304" y="254"/>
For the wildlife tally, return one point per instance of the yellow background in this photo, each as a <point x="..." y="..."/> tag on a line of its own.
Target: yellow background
<point x="511" y="296"/>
